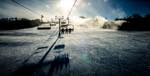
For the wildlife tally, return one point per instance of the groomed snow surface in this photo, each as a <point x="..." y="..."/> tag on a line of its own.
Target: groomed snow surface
<point x="84" y="52"/>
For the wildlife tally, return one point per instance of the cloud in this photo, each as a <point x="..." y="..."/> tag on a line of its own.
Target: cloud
<point x="11" y="10"/>
<point x="113" y="24"/>
<point x="89" y="22"/>
<point x="51" y="8"/>
<point x="105" y="0"/>
<point x="118" y="13"/>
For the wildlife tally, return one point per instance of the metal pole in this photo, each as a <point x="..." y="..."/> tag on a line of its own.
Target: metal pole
<point x="59" y="34"/>
<point x="68" y="21"/>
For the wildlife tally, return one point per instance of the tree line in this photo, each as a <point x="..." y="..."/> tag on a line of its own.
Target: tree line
<point x="17" y="23"/>
<point x="135" y="22"/>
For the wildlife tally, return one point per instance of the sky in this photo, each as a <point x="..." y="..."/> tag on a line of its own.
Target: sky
<point x="109" y="9"/>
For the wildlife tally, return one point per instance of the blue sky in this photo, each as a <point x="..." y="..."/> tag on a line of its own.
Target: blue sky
<point x="109" y="9"/>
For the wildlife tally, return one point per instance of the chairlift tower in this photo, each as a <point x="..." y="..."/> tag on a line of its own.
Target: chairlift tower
<point x="59" y="18"/>
<point x="68" y="20"/>
<point x="42" y="18"/>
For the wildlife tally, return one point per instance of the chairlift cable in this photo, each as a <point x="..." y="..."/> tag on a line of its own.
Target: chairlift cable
<point x="25" y="7"/>
<point x="72" y="8"/>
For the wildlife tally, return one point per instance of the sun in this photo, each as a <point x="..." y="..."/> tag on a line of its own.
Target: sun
<point x="66" y="4"/>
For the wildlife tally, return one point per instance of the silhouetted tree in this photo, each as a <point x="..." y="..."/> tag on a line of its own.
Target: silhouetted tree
<point x="136" y="22"/>
<point x="17" y="23"/>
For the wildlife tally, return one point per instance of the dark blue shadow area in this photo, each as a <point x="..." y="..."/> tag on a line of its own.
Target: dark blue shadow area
<point x="56" y="64"/>
<point x="12" y="44"/>
<point x="18" y="34"/>
<point x="29" y="69"/>
<point x="42" y="47"/>
<point x="61" y="46"/>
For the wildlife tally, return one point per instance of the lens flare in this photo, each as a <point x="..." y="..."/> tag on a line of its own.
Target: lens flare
<point x="66" y="4"/>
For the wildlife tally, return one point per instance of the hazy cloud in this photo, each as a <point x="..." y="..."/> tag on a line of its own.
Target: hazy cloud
<point x="118" y="13"/>
<point x="109" y="9"/>
<point x="105" y="0"/>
